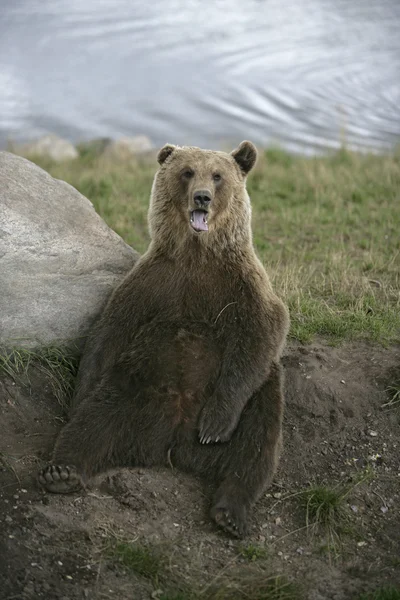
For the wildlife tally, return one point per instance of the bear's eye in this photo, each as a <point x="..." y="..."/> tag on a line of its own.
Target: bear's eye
<point x="217" y="177"/>
<point x="188" y="174"/>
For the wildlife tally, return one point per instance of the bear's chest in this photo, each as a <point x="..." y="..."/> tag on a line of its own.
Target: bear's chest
<point x="186" y="357"/>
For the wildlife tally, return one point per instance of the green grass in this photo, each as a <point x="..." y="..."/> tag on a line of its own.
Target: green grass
<point x="326" y="513"/>
<point x="326" y="228"/>
<point x="326" y="509"/>
<point x="387" y="593"/>
<point x="394" y="396"/>
<point x="172" y="580"/>
<point x="138" y="559"/>
<point x="252" y="552"/>
<point x="58" y="364"/>
<point x="256" y="585"/>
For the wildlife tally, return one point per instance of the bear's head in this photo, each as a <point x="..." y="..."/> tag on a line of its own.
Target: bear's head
<point x="201" y="194"/>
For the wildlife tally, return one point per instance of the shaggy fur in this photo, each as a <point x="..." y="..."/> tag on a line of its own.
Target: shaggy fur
<point x="184" y="364"/>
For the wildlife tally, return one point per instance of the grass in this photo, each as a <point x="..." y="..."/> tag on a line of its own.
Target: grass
<point x="386" y="593"/>
<point x="253" y="553"/>
<point x="394" y="396"/>
<point x="59" y="364"/>
<point x="138" y="559"/>
<point x="326" y="509"/>
<point x="326" y="228"/>
<point x="326" y="513"/>
<point x="171" y="580"/>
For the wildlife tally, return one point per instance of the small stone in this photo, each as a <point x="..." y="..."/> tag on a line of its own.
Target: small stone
<point x="277" y="521"/>
<point x="373" y="433"/>
<point x="261" y="538"/>
<point x="300" y="550"/>
<point x="8" y="519"/>
<point x="384" y="509"/>
<point x="354" y="508"/>
<point x="342" y="381"/>
<point x="24" y="491"/>
<point x="277" y="495"/>
<point x="68" y="577"/>
<point x="59" y="563"/>
<point x="361" y="544"/>
<point x="280" y="553"/>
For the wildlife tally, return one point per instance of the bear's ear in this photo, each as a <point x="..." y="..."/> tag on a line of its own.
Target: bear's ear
<point x="165" y="151"/>
<point x="245" y="155"/>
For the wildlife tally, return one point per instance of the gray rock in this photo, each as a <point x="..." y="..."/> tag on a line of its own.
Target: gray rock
<point x="127" y="147"/>
<point x="48" y="146"/>
<point x="59" y="261"/>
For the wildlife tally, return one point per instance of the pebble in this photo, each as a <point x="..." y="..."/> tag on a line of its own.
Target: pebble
<point x="361" y="544"/>
<point x="373" y="433"/>
<point x="384" y="509"/>
<point x="8" y="519"/>
<point x="277" y="495"/>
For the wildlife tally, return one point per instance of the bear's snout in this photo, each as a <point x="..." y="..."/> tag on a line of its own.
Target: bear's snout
<point x="202" y="198"/>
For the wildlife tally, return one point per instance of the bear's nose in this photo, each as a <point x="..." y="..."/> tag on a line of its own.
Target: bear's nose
<point x="202" y="198"/>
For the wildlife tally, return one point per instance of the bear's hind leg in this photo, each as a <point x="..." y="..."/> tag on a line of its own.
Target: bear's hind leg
<point x="98" y="437"/>
<point x="248" y="461"/>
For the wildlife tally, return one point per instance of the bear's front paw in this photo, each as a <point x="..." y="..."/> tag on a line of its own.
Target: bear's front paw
<point x="215" y="426"/>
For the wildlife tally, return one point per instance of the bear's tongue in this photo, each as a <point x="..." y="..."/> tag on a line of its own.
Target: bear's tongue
<point x="198" y="220"/>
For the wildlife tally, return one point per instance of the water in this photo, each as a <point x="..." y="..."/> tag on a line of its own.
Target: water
<point x="306" y="74"/>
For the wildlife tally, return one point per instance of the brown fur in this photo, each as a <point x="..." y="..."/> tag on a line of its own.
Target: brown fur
<point x="184" y="363"/>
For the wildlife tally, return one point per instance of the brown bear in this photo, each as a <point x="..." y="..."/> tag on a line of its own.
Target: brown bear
<point x="183" y="366"/>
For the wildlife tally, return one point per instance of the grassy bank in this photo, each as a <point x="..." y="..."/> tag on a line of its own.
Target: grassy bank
<point x="327" y="229"/>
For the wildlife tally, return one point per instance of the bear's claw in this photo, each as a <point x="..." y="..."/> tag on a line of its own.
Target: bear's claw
<point x="60" y="479"/>
<point x="231" y="518"/>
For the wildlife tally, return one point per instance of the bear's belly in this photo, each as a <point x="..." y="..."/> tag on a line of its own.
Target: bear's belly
<point x="187" y="362"/>
<point x="177" y="366"/>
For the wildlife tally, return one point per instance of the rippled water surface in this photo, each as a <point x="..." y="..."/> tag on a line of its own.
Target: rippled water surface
<point x="303" y="73"/>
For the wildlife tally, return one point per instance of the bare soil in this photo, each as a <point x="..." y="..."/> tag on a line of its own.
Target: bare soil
<point x="336" y="433"/>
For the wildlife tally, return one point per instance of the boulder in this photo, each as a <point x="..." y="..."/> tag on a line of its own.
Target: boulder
<point x="48" y="146"/>
<point x="59" y="261"/>
<point x="128" y="147"/>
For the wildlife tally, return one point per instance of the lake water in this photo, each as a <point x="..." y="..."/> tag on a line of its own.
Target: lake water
<point x="305" y="74"/>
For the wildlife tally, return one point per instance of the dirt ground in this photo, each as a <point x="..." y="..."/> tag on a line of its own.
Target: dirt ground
<point x="336" y="432"/>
